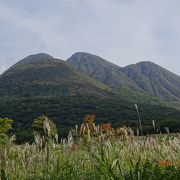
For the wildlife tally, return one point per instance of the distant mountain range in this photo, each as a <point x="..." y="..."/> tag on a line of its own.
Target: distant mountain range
<point x="144" y="76"/>
<point x="86" y="73"/>
<point x="86" y="83"/>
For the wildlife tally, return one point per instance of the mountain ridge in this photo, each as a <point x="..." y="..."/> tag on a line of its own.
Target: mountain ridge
<point x="101" y="70"/>
<point x="50" y="86"/>
<point x="145" y="76"/>
<point x="155" y="79"/>
<point x="46" y="76"/>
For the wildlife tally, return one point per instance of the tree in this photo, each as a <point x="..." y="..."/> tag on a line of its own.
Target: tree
<point x="88" y="128"/>
<point x="89" y="118"/>
<point x="5" y="126"/>
<point x="44" y="126"/>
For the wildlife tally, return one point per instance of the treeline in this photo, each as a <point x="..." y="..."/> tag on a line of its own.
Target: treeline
<point x="66" y="112"/>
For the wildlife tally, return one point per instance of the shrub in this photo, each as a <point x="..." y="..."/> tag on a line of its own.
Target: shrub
<point x="5" y="126"/>
<point x="44" y="126"/>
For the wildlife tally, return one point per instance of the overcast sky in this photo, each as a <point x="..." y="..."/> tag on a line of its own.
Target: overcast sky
<point x="121" y="31"/>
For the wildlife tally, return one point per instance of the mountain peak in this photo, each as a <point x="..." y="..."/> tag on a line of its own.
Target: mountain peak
<point x="147" y="63"/>
<point x="146" y="67"/>
<point x="83" y="54"/>
<point x="34" y="58"/>
<point x="143" y="63"/>
<point x="87" y="57"/>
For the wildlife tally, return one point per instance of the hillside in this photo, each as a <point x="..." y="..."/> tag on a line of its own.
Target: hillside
<point x="141" y="77"/>
<point x="42" y="75"/>
<point x="101" y="70"/>
<point x="40" y="84"/>
<point x="155" y="80"/>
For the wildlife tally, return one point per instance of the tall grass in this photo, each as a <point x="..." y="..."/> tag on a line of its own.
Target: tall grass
<point x="98" y="158"/>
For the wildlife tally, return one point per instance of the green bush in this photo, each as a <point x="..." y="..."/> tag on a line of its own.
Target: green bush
<point x="5" y="126"/>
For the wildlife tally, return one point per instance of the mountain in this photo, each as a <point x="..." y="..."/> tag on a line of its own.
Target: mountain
<point x="141" y="77"/>
<point x="101" y="70"/>
<point x="42" y="75"/>
<point x="84" y="84"/>
<point x="40" y="57"/>
<point x="155" y="80"/>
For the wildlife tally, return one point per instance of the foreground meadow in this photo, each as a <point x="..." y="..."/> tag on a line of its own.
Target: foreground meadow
<point x="146" y="157"/>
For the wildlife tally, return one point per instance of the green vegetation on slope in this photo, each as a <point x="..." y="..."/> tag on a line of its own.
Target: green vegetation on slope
<point x="101" y="70"/>
<point x="144" y="76"/>
<point x="69" y="111"/>
<point x="40" y="84"/>
<point x="155" y="80"/>
<point x="49" y="77"/>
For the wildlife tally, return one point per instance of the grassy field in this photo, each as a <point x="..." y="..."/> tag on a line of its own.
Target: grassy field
<point x="130" y="158"/>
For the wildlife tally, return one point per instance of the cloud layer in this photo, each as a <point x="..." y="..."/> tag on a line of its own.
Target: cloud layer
<point x="121" y="31"/>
